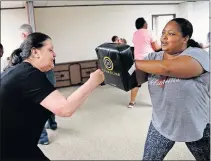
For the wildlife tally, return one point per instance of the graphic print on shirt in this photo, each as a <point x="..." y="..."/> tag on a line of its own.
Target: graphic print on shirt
<point x="159" y="80"/>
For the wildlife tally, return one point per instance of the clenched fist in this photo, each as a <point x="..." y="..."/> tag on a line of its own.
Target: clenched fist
<point x="97" y="77"/>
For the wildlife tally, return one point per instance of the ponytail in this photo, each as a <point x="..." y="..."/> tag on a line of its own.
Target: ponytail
<point x="15" y="58"/>
<point x="193" y="43"/>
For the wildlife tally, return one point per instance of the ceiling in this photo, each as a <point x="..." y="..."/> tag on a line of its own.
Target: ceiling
<point x="46" y="3"/>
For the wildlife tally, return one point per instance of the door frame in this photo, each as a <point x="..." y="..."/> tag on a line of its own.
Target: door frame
<point x="156" y="15"/>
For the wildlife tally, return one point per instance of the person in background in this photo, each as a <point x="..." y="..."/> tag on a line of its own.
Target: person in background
<point x="4" y="61"/>
<point x="207" y="45"/>
<point x="26" y="30"/>
<point x="179" y="87"/>
<point x="144" y="43"/>
<point x="115" y="39"/>
<point x="122" y="41"/>
<point x="51" y="123"/>
<point x="1" y="50"/>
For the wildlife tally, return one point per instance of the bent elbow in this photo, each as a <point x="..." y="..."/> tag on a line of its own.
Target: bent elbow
<point x="65" y="114"/>
<point x="64" y="111"/>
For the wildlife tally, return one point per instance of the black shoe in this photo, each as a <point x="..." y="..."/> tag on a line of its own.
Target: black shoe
<point x="52" y="126"/>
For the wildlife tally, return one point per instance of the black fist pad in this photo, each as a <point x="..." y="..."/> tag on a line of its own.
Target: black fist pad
<point x="115" y="61"/>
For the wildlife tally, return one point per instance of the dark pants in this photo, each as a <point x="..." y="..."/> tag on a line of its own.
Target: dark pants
<point x="51" y="120"/>
<point x="157" y="146"/>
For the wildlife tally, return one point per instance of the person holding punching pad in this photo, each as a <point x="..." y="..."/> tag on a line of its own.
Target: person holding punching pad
<point x="178" y="79"/>
<point x="26" y="93"/>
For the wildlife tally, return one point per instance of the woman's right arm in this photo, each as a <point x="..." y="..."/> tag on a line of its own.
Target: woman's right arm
<point x="154" y="41"/>
<point x="36" y="88"/>
<point x="65" y="107"/>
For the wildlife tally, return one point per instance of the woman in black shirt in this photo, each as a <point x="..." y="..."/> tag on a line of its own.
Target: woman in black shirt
<point x="27" y="98"/>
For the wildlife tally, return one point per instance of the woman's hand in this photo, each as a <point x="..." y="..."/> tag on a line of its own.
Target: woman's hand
<point x="97" y="77"/>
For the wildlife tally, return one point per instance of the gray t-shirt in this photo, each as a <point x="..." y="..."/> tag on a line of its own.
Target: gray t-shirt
<point x="181" y="107"/>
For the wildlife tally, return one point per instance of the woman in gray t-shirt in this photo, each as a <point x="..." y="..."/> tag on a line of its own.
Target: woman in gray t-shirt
<point x="179" y="86"/>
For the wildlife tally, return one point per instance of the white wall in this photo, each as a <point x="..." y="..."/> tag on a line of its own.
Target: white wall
<point x="198" y="14"/>
<point x="11" y="20"/>
<point x="183" y="10"/>
<point x="77" y="31"/>
<point x="200" y="20"/>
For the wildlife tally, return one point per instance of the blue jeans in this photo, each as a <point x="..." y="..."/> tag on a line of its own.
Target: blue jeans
<point x="51" y="77"/>
<point x="51" y="121"/>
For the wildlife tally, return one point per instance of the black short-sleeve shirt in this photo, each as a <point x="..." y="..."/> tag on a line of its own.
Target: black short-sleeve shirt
<point x="22" y="88"/>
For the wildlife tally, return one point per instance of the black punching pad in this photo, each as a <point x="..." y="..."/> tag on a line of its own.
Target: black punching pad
<point x="115" y="60"/>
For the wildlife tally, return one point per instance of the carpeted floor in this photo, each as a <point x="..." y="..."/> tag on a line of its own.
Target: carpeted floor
<point x="105" y="129"/>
